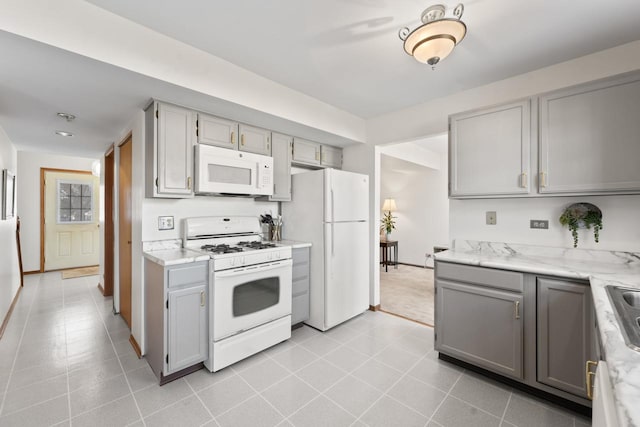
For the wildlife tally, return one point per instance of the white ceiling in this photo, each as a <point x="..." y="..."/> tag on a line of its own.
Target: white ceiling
<point x="343" y="52"/>
<point x="347" y="52"/>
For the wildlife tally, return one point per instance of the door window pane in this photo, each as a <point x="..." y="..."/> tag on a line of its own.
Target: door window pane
<point x="254" y="296"/>
<point x="75" y="202"/>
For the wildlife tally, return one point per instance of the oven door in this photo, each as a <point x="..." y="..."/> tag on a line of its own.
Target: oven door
<point x="246" y="297"/>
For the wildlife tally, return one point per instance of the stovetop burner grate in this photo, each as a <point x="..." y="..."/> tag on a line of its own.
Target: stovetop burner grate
<point x="221" y="249"/>
<point x="257" y="245"/>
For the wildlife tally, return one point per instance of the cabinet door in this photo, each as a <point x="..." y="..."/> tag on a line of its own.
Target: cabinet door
<point x="281" y="152"/>
<point x="175" y="150"/>
<point x="564" y="334"/>
<point x="489" y="151"/>
<point x="306" y="152"/>
<point x="255" y="140"/>
<point x="188" y="328"/>
<point x="331" y="156"/>
<point x="481" y="326"/>
<point x="589" y="138"/>
<point x="216" y="131"/>
<point x="300" y="285"/>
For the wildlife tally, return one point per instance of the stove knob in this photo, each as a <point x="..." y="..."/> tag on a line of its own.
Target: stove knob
<point x="242" y="261"/>
<point x="232" y="262"/>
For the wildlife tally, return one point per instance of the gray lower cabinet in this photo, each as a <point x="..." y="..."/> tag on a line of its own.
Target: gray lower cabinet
<point x="564" y="334"/>
<point x="300" y="285"/>
<point x="535" y="329"/>
<point x="176" y="319"/>
<point x="481" y="325"/>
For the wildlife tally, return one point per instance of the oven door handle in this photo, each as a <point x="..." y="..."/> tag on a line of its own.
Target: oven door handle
<point x="253" y="269"/>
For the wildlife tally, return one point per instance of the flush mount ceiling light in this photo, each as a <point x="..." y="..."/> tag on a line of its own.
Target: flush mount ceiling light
<point x="68" y="117"/>
<point x="63" y="133"/>
<point x="435" y="39"/>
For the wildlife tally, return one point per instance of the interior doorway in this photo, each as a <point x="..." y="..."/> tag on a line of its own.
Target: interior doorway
<point x="109" y="229"/>
<point x="415" y="175"/>
<point x="69" y="228"/>
<point x="124" y="229"/>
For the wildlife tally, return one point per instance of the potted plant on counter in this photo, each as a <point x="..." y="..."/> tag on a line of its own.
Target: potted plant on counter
<point x="582" y="215"/>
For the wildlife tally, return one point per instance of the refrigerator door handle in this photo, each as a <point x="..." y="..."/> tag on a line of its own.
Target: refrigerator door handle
<point x="333" y="217"/>
<point x="333" y="239"/>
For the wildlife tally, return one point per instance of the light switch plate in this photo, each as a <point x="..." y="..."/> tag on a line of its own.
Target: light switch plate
<point x="542" y="224"/>
<point x="492" y="218"/>
<point x="165" y="223"/>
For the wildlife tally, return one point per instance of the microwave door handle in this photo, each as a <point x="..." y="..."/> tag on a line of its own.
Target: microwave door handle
<point x="252" y="269"/>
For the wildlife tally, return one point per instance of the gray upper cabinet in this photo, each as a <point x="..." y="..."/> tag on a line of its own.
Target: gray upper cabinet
<point x="281" y="146"/>
<point x="564" y="331"/>
<point x="489" y="151"/>
<point x="169" y="144"/>
<point x="331" y="156"/>
<point x="187" y="322"/>
<point x="306" y="152"/>
<point x="216" y="131"/>
<point x="255" y="140"/>
<point x="589" y="138"/>
<point x="481" y="326"/>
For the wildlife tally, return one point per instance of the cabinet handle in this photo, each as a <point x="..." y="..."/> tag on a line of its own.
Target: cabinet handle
<point x="189" y="183"/>
<point x="543" y="180"/>
<point x="317" y="156"/>
<point x="589" y="377"/>
<point x="242" y="139"/>
<point x="233" y="137"/>
<point x="201" y="298"/>
<point x="267" y="146"/>
<point x="517" y="310"/>
<point x="523" y="180"/>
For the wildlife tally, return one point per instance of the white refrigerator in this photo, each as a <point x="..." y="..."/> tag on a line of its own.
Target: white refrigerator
<point x="330" y="209"/>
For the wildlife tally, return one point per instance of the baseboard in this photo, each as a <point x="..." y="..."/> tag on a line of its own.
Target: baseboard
<point x="5" y="322"/>
<point x="101" y="289"/>
<point x="374" y="307"/>
<point x="26" y="273"/>
<point x="135" y="346"/>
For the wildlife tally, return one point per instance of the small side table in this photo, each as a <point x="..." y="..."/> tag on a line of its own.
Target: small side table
<point x="385" y="247"/>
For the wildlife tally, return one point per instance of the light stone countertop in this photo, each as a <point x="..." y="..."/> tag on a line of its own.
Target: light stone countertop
<point x="166" y="257"/>
<point x="601" y="268"/>
<point x="294" y="244"/>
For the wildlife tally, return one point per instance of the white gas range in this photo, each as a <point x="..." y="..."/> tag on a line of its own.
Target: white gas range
<point x="249" y="287"/>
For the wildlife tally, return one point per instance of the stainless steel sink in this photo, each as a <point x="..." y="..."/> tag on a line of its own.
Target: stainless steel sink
<point x="626" y="306"/>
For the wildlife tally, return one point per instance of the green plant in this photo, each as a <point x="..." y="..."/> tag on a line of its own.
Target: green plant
<point x="582" y="215"/>
<point x="388" y="222"/>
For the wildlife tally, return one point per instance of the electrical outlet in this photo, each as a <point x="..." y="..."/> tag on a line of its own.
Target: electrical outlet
<point x="492" y="218"/>
<point x="542" y="224"/>
<point x="165" y="223"/>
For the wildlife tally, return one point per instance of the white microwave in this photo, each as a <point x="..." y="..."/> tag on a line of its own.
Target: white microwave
<point x="222" y="171"/>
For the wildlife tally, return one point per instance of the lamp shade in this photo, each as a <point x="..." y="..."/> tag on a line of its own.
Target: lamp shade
<point x="389" y="205"/>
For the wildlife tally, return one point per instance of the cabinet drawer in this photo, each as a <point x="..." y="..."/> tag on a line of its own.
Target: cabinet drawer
<point x="299" y="309"/>
<point x="188" y="274"/>
<point x="300" y="255"/>
<point x="501" y="279"/>
<point x="300" y="287"/>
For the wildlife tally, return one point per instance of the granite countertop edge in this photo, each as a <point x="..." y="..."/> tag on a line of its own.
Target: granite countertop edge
<point x="623" y="363"/>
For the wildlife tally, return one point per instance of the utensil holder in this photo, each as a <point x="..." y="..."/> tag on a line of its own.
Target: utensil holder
<point x="266" y="232"/>
<point x="276" y="232"/>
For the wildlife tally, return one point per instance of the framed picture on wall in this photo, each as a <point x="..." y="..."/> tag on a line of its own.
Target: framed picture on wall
<point x="8" y="194"/>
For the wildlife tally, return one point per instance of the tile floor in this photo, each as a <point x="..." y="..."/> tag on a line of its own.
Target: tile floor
<point x="65" y="360"/>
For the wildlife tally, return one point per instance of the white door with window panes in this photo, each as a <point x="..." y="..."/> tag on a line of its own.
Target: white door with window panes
<point x="71" y="209"/>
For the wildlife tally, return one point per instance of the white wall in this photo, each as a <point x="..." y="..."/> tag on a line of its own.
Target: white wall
<point x="9" y="267"/>
<point x="198" y="206"/>
<point x="422" y="218"/>
<point x="29" y="164"/>
<point x="365" y="159"/>
<point x="621" y="228"/>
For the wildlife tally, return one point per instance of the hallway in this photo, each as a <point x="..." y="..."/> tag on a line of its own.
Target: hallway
<point x="408" y="292"/>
